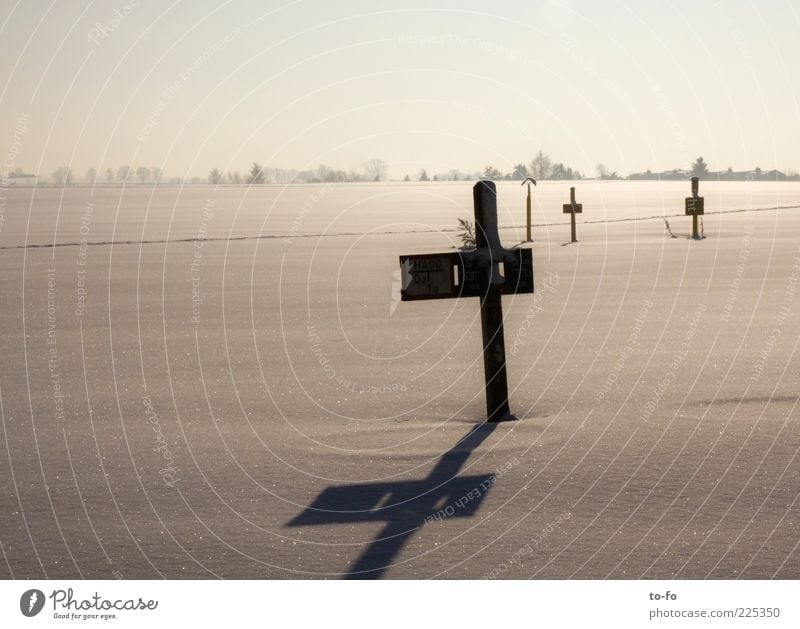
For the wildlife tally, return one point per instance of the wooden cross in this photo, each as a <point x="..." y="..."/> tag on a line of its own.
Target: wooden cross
<point x="529" y="181"/>
<point x="404" y="507"/>
<point x="488" y="272"/>
<point x="572" y="209"/>
<point x="695" y="206"/>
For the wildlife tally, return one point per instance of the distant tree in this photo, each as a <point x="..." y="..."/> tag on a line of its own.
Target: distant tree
<point x="256" y="174"/>
<point x="124" y="173"/>
<point x="520" y="172"/>
<point x="605" y="173"/>
<point x="490" y="172"/>
<point x="156" y="173"/>
<point x="699" y="168"/>
<point x="234" y="177"/>
<point x="216" y="177"/>
<point x="375" y="169"/>
<point x="559" y="171"/>
<point x="91" y="175"/>
<point x="143" y="173"/>
<point x="541" y="166"/>
<point x="62" y="176"/>
<point x="109" y="175"/>
<point x="423" y="175"/>
<point x="406" y="178"/>
<point x="436" y="177"/>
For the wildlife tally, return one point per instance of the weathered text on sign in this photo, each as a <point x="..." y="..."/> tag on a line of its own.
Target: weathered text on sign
<point x="695" y="206"/>
<point x="428" y="276"/>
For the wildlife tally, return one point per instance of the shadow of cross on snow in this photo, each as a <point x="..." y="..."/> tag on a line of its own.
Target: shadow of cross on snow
<point x="403" y="506"/>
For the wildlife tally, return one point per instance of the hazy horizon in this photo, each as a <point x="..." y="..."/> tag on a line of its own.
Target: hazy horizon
<point x="421" y="85"/>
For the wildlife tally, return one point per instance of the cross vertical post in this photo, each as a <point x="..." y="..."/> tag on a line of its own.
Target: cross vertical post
<point x="484" y="196"/>
<point x="572" y="214"/>
<point x="572" y="208"/>
<point x="695" y="191"/>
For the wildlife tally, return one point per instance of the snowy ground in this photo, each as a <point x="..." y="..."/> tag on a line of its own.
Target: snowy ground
<point x="264" y="406"/>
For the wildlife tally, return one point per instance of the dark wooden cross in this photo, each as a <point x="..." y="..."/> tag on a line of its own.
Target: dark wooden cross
<point x="488" y="272"/>
<point x="695" y="206"/>
<point x="572" y="209"/>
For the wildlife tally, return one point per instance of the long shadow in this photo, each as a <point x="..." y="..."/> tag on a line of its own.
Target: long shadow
<point x="403" y="506"/>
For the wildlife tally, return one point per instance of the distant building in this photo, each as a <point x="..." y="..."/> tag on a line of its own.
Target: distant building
<point x="751" y="175"/>
<point x="723" y="175"/>
<point x="19" y="179"/>
<point x="676" y="174"/>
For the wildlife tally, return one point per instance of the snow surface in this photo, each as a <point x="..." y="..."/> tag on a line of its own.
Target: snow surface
<point x="255" y="402"/>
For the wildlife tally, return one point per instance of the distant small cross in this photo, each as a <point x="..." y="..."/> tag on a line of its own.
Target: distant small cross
<point x="572" y="209"/>
<point x="695" y="206"/>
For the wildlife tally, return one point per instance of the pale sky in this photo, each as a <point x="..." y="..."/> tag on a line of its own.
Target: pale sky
<point x="193" y="85"/>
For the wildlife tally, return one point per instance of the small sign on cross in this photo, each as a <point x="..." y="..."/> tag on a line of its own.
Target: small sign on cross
<point x="488" y="272"/>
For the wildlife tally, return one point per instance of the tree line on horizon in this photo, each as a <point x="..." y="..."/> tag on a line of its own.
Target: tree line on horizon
<point x="541" y="167"/>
